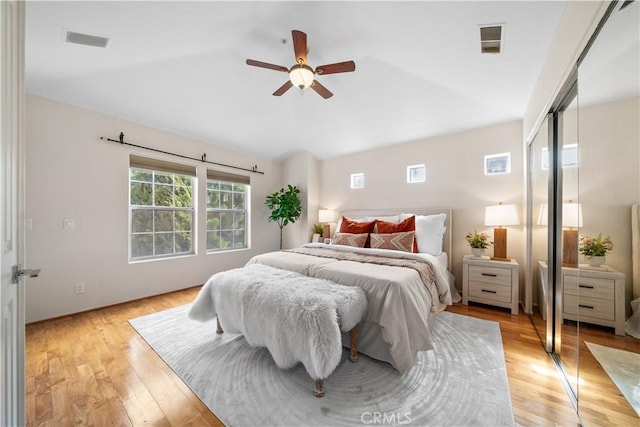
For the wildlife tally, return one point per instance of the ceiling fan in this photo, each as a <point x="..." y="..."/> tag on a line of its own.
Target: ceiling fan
<point x="301" y="74"/>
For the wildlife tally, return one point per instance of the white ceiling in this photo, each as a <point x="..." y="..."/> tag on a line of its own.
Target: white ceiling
<point x="180" y="66"/>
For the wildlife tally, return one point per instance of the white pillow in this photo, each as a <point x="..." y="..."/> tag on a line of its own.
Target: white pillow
<point x="430" y="233"/>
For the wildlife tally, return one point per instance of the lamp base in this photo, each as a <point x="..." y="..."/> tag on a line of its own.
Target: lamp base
<point x="326" y="231"/>
<point x="570" y="248"/>
<point x="494" y="258"/>
<point x="500" y="244"/>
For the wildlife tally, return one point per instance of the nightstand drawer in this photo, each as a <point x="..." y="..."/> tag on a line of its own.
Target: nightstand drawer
<point x="488" y="274"/>
<point x="491" y="291"/>
<point x="589" y="287"/>
<point x="592" y="307"/>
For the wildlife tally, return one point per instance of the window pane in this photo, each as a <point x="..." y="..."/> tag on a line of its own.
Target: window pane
<point x="141" y="194"/>
<point x="164" y="195"/>
<point x="183" y="242"/>
<point x="239" y="220"/>
<point x="213" y="240"/>
<point x="163" y="178"/>
<point x="183" y="197"/>
<point x="226" y="200"/>
<point x="225" y="186"/>
<point x="239" y="239"/>
<point x="238" y="188"/>
<point x="238" y="200"/>
<point x="226" y="239"/>
<point x="163" y="221"/>
<point x="213" y="220"/>
<point x="140" y="175"/>
<point x="182" y="180"/>
<point x="213" y="185"/>
<point x="183" y="220"/>
<point x="226" y="220"/>
<point x="213" y="199"/>
<point x="141" y="220"/>
<point x="164" y="243"/>
<point x="141" y="245"/>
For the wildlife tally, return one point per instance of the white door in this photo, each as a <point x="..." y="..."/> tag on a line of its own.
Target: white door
<point x="11" y="198"/>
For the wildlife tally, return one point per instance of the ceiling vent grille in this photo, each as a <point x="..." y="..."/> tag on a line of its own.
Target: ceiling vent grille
<point x="86" y="39"/>
<point x="491" y="38"/>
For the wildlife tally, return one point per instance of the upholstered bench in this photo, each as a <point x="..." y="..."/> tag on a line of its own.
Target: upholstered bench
<point x="296" y="317"/>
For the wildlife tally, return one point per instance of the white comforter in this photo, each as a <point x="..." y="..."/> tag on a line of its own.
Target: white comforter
<point x="398" y="301"/>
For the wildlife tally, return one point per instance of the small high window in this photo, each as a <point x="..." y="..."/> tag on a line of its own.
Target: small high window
<point x="357" y="180"/>
<point x="416" y="173"/>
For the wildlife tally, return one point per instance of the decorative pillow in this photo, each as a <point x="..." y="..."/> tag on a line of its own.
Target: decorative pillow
<point x="350" y="239"/>
<point x="408" y="224"/>
<point x="430" y="233"/>
<point x="402" y="241"/>
<point x="353" y="226"/>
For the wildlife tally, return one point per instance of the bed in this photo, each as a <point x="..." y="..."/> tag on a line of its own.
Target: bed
<point x="401" y="302"/>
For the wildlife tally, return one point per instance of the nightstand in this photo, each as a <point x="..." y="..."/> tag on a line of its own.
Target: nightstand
<point x="592" y="295"/>
<point x="490" y="282"/>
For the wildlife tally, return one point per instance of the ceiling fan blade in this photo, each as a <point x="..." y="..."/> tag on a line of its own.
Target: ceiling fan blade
<point x="338" y="67"/>
<point x="321" y="90"/>
<point x="282" y="89"/>
<point x="300" y="46"/>
<point x="260" y="64"/>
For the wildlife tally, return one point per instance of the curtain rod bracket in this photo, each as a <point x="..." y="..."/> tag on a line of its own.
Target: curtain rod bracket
<point x="204" y="158"/>
<point x="121" y="137"/>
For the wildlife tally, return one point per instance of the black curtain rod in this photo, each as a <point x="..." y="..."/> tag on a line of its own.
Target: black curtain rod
<point x="202" y="159"/>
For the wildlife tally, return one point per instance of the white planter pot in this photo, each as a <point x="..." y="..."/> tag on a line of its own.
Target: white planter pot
<point x="595" y="261"/>
<point x="477" y="252"/>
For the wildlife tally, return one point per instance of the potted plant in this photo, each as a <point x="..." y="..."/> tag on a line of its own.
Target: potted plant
<point x="595" y="249"/>
<point x="318" y="230"/>
<point x="285" y="207"/>
<point x="478" y="242"/>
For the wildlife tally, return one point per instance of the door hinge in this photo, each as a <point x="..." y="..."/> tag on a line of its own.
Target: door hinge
<point x="17" y="273"/>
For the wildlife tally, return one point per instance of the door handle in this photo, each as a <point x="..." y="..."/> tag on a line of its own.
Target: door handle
<point x="17" y="272"/>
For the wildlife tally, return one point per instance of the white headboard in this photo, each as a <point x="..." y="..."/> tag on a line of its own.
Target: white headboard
<point x="635" y="249"/>
<point x="446" y="243"/>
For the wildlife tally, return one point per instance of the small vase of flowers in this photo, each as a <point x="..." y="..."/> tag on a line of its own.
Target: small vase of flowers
<point x="595" y="249"/>
<point x="478" y="242"/>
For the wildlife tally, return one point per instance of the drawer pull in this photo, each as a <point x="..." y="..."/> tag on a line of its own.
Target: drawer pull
<point x="586" y="306"/>
<point x="489" y="274"/>
<point x="586" y="286"/>
<point x="489" y="291"/>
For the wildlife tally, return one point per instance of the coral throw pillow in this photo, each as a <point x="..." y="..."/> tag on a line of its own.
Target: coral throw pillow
<point x="350" y="239"/>
<point x="397" y="241"/>
<point x="351" y="226"/>
<point x="408" y="224"/>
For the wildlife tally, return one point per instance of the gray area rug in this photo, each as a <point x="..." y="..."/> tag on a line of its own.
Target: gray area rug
<point x="463" y="381"/>
<point x="623" y="367"/>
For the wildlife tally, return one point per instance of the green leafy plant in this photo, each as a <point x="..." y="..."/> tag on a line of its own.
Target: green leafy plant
<point x="285" y="207"/>
<point x="595" y="246"/>
<point x="318" y="229"/>
<point x="478" y="240"/>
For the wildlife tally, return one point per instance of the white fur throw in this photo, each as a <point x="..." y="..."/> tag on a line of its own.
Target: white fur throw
<point x="297" y="318"/>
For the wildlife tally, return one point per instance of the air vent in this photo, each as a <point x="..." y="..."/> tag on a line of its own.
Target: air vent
<point x="491" y="38"/>
<point x="86" y="39"/>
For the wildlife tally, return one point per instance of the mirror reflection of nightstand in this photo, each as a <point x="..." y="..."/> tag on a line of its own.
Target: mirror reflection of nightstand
<point x="590" y="294"/>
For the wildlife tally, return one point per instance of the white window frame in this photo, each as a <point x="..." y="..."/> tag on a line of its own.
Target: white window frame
<point x="355" y="177"/>
<point x="154" y="209"/>
<point x="233" y="211"/>
<point x="490" y="157"/>
<point x="413" y="170"/>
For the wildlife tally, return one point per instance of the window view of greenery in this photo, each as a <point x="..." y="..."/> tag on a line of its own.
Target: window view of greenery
<point x="226" y="215"/>
<point x="161" y="207"/>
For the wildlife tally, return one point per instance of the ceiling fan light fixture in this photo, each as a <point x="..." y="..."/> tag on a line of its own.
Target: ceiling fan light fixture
<point x="301" y="75"/>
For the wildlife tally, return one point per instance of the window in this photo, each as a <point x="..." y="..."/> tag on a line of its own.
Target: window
<point x="357" y="180"/>
<point x="416" y="173"/>
<point x="161" y="208"/>
<point x="228" y="201"/>
<point x="569" y="156"/>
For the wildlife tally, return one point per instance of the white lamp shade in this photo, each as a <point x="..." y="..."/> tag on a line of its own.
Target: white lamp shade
<point x="301" y="75"/>
<point x="499" y="215"/>
<point x="326" y="215"/>
<point x="571" y="215"/>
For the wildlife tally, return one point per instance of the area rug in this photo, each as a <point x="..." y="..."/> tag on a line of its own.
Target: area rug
<point x="623" y="367"/>
<point x="463" y="381"/>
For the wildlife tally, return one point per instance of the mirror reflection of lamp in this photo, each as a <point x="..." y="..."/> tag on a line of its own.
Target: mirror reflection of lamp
<point x="499" y="216"/>
<point x="326" y="216"/>
<point x="571" y="221"/>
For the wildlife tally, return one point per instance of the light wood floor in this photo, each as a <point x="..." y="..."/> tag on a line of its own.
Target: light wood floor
<point x="93" y="369"/>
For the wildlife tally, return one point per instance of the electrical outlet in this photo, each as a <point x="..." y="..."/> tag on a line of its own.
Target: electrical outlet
<point x="79" y="288"/>
<point x="68" y="224"/>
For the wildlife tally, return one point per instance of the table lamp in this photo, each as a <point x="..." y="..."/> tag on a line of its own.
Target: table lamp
<point x="571" y="218"/>
<point x="498" y="216"/>
<point x="326" y="216"/>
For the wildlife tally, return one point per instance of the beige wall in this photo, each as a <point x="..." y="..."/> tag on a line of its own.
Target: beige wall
<point x="455" y="178"/>
<point x="70" y="173"/>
